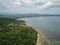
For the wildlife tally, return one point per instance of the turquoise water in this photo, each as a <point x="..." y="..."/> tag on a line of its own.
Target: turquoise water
<point x="49" y="24"/>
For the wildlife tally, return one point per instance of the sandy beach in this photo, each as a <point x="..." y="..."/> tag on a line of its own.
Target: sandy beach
<point x="41" y="38"/>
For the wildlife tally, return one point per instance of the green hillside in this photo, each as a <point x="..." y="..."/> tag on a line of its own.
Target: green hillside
<point x="13" y="32"/>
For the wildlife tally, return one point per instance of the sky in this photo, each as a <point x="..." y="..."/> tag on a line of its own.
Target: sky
<point x="30" y="6"/>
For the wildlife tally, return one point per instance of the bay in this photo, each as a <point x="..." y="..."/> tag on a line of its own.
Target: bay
<point x="50" y="26"/>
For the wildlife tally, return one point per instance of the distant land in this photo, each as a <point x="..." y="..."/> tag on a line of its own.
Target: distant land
<point x="26" y="15"/>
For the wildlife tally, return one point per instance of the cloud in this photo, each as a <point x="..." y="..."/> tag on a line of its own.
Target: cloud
<point x="35" y="3"/>
<point x="46" y="5"/>
<point x="18" y="3"/>
<point x="42" y="4"/>
<point x="31" y="5"/>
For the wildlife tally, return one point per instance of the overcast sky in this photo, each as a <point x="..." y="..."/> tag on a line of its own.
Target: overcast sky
<point x="30" y="6"/>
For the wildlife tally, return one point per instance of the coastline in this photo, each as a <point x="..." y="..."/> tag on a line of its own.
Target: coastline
<point x="50" y="35"/>
<point x="41" y="38"/>
<point x="45" y="37"/>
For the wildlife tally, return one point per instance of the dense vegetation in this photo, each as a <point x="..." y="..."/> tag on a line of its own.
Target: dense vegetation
<point x="14" y="32"/>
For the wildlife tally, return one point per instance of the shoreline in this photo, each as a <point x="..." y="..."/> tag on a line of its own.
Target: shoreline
<point x="43" y="37"/>
<point x="46" y="38"/>
<point x="40" y="36"/>
<point x="49" y="35"/>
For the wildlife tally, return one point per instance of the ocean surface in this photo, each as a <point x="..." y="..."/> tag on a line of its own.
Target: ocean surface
<point x="50" y="26"/>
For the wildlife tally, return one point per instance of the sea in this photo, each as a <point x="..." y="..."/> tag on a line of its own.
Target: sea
<point x="49" y="25"/>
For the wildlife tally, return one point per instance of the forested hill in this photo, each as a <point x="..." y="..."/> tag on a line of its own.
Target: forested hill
<point x="14" y="32"/>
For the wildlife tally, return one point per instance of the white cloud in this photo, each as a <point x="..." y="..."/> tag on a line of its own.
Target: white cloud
<point x="15" y="2"/>
<point x="46" y="5"/>
<point x="42" y="4"/>
<point x="19" y="5"/>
